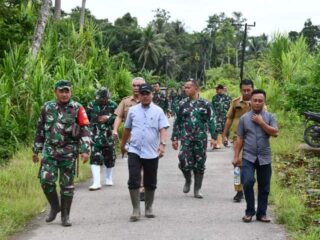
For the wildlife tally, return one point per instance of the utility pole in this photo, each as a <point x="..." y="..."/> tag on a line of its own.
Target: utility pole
<point x="244" y="46"/>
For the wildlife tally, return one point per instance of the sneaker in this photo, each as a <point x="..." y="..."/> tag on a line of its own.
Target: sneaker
<point x="238" y="197"/>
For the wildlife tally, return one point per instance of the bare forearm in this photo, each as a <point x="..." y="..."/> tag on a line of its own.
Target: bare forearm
<point x="227" y="126"/>
<point x="238" y="146"/>
<point x="163" y="135"/>
<point x="126" y="135"/>
<point x="117" y="123"/>
<point x="269" y="130"/>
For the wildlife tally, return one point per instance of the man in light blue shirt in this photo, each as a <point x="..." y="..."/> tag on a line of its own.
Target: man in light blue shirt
<point x="146" y="126"/>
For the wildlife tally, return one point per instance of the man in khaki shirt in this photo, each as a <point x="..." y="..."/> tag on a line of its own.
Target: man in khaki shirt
<point x="122" y="112"/>
<point x="238" y="107"/>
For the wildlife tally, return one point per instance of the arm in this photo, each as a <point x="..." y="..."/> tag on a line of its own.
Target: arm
<point x="226" y="129"/>
<point x="39" y="138"/>
<point x="163" y="138"/>
<point x="176" y="130"/>
<point x="237" y="150"/>
<point x="270" y="130"/>
<point x="125" y="137"/>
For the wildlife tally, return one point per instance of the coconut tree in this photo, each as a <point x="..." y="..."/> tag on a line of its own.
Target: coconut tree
<point x="83" y="8"/>
<point x="57" y="9"/>
<point x="41" y="25"/>
<point x="149" y="46"/>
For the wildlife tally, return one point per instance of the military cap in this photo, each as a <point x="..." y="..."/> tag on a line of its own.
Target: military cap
<point x="145" y="87"/>
<point x="62" y="84"/>
<point x="102" y="93"/>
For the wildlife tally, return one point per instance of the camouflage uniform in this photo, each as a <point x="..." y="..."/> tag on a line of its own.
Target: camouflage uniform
<point x="220" y="105"/>
<point x="160" y="99"/>
<point x="58" y="140"/>
<point x="193" y="119"/>
<point x="103" y="147"/>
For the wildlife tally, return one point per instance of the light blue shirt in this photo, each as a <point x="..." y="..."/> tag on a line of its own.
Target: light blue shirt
<point x="145" y="124"/>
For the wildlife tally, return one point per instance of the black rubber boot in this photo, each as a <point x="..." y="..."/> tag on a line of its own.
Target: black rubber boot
<point x="197" y="185"/>
<point x="54" y="204"/>
<point x="149" y="196"/>
<point x="66" y="202"/>
<point x="135" y="200"/>
<point x="238" y="197"/>
<point x="187" y="176"/>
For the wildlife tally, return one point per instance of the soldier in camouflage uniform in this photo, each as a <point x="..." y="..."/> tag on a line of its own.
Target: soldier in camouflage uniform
<point x="101" y="115"/>
<point x="220" y="103"/>
<point x="176" y="100"/>
<point x="61" y="134"/>
<point x="160" y="99"/>
<point x="194" y="117"/>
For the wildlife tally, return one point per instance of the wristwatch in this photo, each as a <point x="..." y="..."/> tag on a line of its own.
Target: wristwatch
<point x="163" y="143"/>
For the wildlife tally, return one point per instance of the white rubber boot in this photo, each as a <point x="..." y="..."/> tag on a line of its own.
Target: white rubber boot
<point x="96" y="185"/>
<point x="109" y="181"/>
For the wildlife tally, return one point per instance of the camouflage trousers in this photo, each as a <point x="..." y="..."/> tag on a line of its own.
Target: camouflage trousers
<point x="103" y="155"/>
<point x="192" y="155"/>
<point x="52" y="168"/>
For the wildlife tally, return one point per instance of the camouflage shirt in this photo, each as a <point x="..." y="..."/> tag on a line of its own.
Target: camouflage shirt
<point x="160" y="99"/>
<point x="101" y="133"/>
<point x="59" y="131"/>
<point x="221" y="104"/>
<point x="194" y="118"/>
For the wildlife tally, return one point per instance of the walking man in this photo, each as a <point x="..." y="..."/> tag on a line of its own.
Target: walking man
<point x="146" y="126"/>
<point x="122" y="112"/>
<point x="193" y="118"/>
<point x="101" y="116"/>
<point x="61" y="134"/>
<point x="254" y="131"/>
<point x="160" y="98"/>
<point x="220" y="103"/>
<point x="238" y="107"/>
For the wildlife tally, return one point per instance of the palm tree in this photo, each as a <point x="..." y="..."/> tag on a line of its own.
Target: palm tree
<point x="41" y="25"/>
<point x="57" y="9"/>
<point x="83" y="8"/>
<point x="149" y="46"/>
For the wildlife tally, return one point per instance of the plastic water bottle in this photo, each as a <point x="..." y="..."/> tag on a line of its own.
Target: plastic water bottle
<point x="236" y="176"/>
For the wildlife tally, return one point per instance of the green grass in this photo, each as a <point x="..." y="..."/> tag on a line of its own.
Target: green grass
<point x="21" y="197"/>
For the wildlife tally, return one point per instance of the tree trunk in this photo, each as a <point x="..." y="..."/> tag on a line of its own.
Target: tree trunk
<point x="41" y="25"/>
<point x="83" y="9"/>
<point x="57" y="10"/>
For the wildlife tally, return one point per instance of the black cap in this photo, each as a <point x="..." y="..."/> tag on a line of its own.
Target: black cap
<point x="145" y="87"/>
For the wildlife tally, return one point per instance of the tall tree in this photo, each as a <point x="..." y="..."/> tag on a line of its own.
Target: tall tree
<point x="57" y="10"/>
<point x="312" y="34"/>
<point x="41" y="25"/>
<point x="83" y="9"/>
<point x="148" y="47"/>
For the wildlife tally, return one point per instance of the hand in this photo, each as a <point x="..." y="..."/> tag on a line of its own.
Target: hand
<point x="236" y="161"/>
<point x="123" y="149"/>
<point x="213" y="143"/>
<point x="103" y="118"/>
<point x="257" y="118"/>
<point x="84" y="157"/>
<point x="35" y="158"/>
<point x="175" y="144"/>
<point x="168" y="115"/>
<point x="115" y="136"/>
<point x="161" y="151"/>
<point x="224" y="138"/>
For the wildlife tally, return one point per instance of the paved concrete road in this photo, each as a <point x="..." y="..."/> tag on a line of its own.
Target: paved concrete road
<point x="104" y="214"/>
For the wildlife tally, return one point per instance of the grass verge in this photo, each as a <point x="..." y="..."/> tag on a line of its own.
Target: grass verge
<point x="21" y="197"/>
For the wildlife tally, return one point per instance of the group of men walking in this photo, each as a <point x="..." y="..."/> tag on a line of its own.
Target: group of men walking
<point x="66" y="129"/>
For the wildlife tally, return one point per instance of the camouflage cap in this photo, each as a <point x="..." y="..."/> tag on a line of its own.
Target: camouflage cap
<point x="62" y="84"/>
<point x="102" y="93"/>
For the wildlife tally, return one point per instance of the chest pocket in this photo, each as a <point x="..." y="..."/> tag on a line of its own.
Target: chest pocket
<point x="238" y="111"/>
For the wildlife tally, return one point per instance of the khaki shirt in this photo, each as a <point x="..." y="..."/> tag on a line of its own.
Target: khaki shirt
<point x="237" y="108"/>
<point x="124" y="105"/>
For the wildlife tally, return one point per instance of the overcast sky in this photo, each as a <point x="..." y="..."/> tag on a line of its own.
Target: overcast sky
<point x="270" y="15"/>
